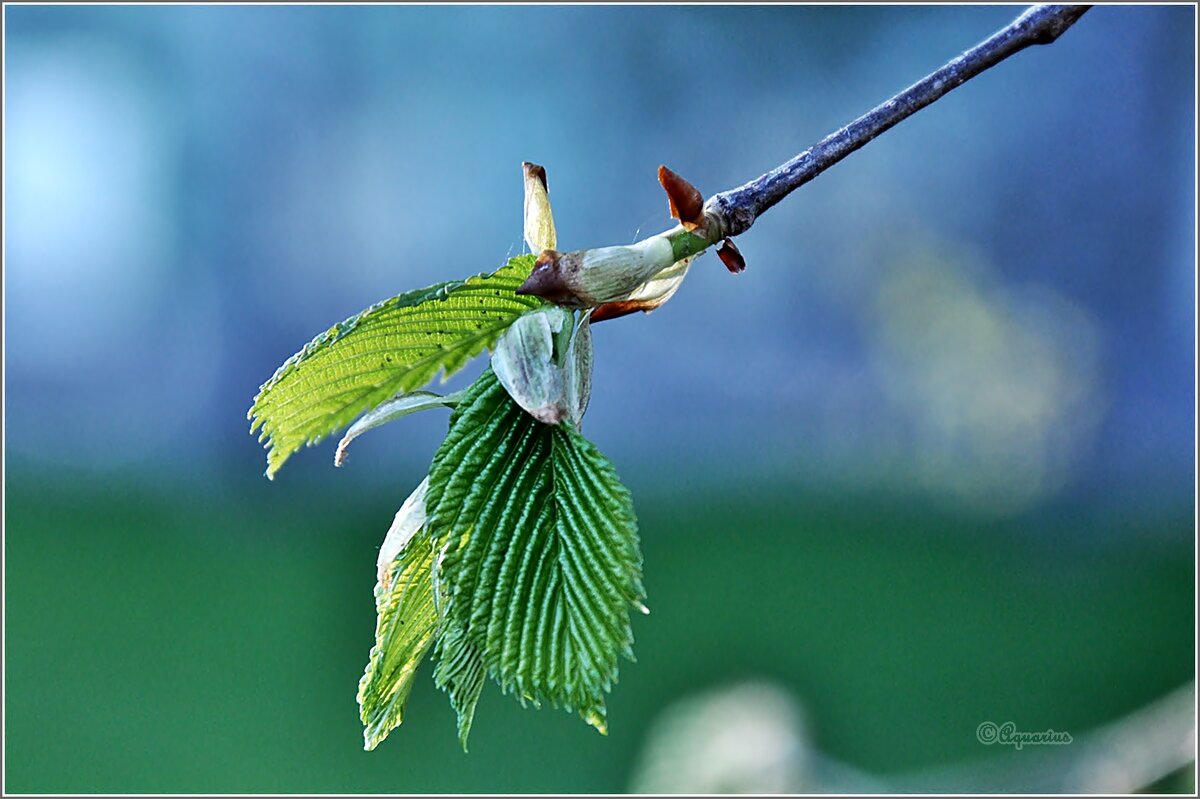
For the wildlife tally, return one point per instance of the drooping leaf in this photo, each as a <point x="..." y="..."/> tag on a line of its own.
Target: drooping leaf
<point x="395" y="408"/>
<point x="407" y="620"/>
<point x="459" y="672"/>
<point x="395" y="346"/>
<point x="542" y="560"/>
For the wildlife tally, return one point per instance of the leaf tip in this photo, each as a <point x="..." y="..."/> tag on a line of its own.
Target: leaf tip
<point x="596" y="717"/>
<point x="535" y="171"/>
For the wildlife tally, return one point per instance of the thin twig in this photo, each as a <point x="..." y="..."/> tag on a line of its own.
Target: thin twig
<point x="1041" y="24"/>
<point x="603" y="277"/>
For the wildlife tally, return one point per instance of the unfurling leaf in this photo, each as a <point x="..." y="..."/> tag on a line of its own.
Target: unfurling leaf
<point x="403" y="633"/>
<point x="392" y="347"/>
<point x="577" y="373"/>
<point x="393" y="409"/>
<point x="545" y="364"/>
<point x="408" y="521"/>
<point x="542" y="561"/>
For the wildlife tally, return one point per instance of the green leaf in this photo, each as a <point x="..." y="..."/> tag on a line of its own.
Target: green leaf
<point x="406" y="623"/>
<point x="460" y="672"/>
<point x="542" y="561"/>
<point x="395" y="346"/>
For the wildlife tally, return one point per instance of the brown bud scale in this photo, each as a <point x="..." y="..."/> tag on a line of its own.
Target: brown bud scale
<point x="549" y="280"/>
<point x="731" y="256"/>
<point x="687" y="203"/>
<point x="615" y="310"/>
<point x="537" y="170"/>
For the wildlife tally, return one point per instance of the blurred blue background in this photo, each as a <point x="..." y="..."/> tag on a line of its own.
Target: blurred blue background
<point x="929" y="460"/>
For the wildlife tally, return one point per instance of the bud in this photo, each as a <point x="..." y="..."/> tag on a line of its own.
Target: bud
<point x="408" y="520"/>
<point x="545" y="365"/>
<point x="650" y="295"/>
<point x="662" y="286"/>
<point x="539" y="221"/>
<point x="587" y="278"/>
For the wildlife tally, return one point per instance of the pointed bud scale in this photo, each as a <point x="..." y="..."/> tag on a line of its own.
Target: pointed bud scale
<point x="615" y="310"/>
<point x="686" y="201"/>
<point x="731" y="256"/>
<point x="548" y="282"/>
<point x="539" y="221"/>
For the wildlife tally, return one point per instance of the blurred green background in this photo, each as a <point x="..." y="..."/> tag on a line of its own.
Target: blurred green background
<point x="146" y="653"/>
<point x="929" y="462"/>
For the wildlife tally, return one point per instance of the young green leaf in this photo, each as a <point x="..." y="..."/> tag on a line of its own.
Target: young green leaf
<point x="542" y="558"/>
<point x="403" y="633"/>
<point x="395" y="346"/>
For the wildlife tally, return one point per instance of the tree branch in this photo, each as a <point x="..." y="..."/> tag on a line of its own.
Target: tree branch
<point x="738" y="208"/>
<point x="603" y="278"/>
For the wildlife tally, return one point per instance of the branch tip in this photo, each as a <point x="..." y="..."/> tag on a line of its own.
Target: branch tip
<point x="1040" y="24"/>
